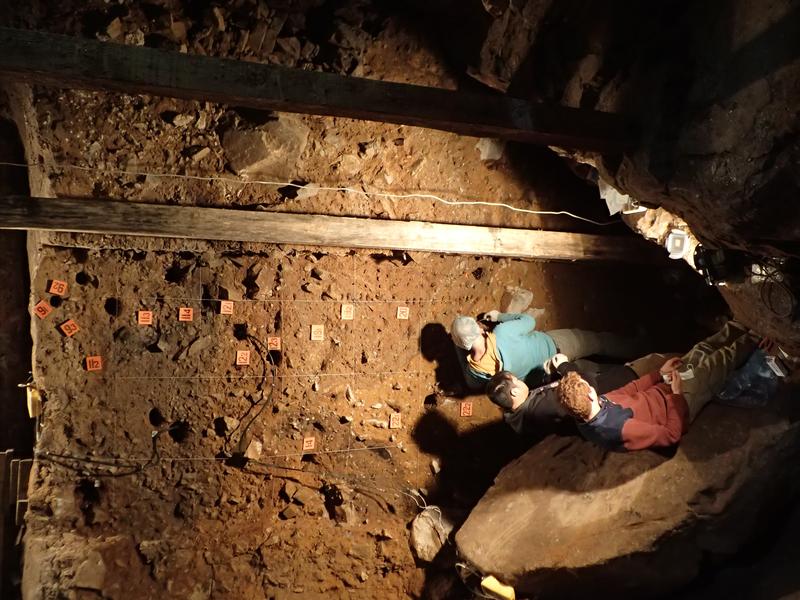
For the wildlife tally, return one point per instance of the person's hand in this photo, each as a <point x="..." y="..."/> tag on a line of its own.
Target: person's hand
<point x="558" y="360"/>
<point x="491" y="316"/>
<point x="677" y="383"/>
<point x="673" y="364"/>
<point x="767" y="345"/>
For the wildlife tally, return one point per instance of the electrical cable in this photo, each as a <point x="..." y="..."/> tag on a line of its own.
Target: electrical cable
<point x="774" y="279"/>
<point x="321" y="188"/>
<point x="465" y="566"/>
<point x="260" y="348"/>
<point x="85" y="463"/>
<point x="66" y="460"/>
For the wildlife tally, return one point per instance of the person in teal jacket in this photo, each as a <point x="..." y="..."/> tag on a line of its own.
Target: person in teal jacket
<point x="516" y="346"/>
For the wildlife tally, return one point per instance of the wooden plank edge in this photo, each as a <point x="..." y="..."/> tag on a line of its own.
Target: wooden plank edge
<point x="94" y="216"/>
<point x="63" y="61"/>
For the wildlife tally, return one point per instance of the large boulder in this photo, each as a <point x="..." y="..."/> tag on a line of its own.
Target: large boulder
<point x="567" y="516"/>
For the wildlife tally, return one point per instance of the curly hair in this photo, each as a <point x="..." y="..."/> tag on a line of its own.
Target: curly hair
<point x="573" y="394"/>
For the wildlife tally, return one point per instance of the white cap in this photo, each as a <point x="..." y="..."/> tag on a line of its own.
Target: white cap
<point x="464" y="331"/>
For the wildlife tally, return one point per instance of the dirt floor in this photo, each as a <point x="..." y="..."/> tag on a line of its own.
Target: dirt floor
<point x="156" y="507"/>
<point x="168" y="497"/>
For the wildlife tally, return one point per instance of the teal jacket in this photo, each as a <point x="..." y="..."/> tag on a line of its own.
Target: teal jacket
<point x="522" y="349"/>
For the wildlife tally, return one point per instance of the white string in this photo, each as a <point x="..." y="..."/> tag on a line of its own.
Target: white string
<point x="89" y="459"/>
<point x="343" y="189"/>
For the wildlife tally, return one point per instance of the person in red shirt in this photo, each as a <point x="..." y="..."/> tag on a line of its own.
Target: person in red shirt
<point x="649" y="412"/>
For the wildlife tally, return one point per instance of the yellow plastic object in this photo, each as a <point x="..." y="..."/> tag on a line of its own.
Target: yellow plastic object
<point x="34" y="402"/>
<point x="494" y="588"/>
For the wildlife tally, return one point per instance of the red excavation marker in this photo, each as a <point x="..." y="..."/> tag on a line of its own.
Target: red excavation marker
<point x="144" y="317"/>
<point x="69" y="328"/>
<point x="466" y="408"/>
<point x="42" y="309"/>
<point x="185" y="314"/>
<point x="309" y="443"/>
<point x="94" y="363"/>
<point x="57" y="287"/>
<point x="273" y="343"/>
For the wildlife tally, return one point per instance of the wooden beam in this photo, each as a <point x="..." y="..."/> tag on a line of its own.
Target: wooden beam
<point x="129" y="218"/>
<point x="62" y="61"/>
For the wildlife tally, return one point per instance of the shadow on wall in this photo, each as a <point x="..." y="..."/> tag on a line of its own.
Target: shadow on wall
<point x="470" y="460"/>
<point x="15" y="347"/>
<point x="15" y="340"/>
<point x="437" y="347"/>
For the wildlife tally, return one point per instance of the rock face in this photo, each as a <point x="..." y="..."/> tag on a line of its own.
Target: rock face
<point x="274" y="149"/>
<point x="508" y="40"/>
<point x="722" y="153"/>
<point x="568" y="516"/>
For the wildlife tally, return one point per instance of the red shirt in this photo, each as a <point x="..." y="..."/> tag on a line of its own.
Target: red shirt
<point x="659" y="418"/>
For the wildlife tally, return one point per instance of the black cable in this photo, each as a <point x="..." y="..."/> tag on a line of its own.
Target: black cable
<point x="774" y="279"/>
<point x="268" y="362"/>
<point x="63" y="460"/>
<point x="84" y="463"/>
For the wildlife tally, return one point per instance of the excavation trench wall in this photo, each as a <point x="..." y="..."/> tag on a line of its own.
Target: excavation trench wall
<point x="166" y="515"/>
<point x="168" y="508"/>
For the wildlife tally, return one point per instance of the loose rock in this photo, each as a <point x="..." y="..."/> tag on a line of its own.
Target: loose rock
<point x="91" y="573"/>
<point x="254" y="449"/>
<point x="273" y="149"/>
<point x="515" y="300"/>
<point x="429" y="532"/>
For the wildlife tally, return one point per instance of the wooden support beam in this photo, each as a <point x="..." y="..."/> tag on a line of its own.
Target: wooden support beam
<point x="62" y="61"/>
<point x="129" y="218"/>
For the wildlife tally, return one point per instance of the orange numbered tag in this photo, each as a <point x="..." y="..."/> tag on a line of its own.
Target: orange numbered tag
<point x="57" y="287"/>
<point x="242" y="358"/>
<point x="273" y="343"/>
<point x="42" y="309"/>
<point x="309" y="443"/>
<point x="226" y="307"/>
<point x="94" y="363"/>
<point x="402" y="313"/>
<point x="395" y="420"/>
<point x="466" y="408"/>
<point x="317" y="333"/>
<point x="69" y="328"/>
<point x="144" y="317"/>
<point x="185" y="314"/>
<point x="348" y="312"/>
